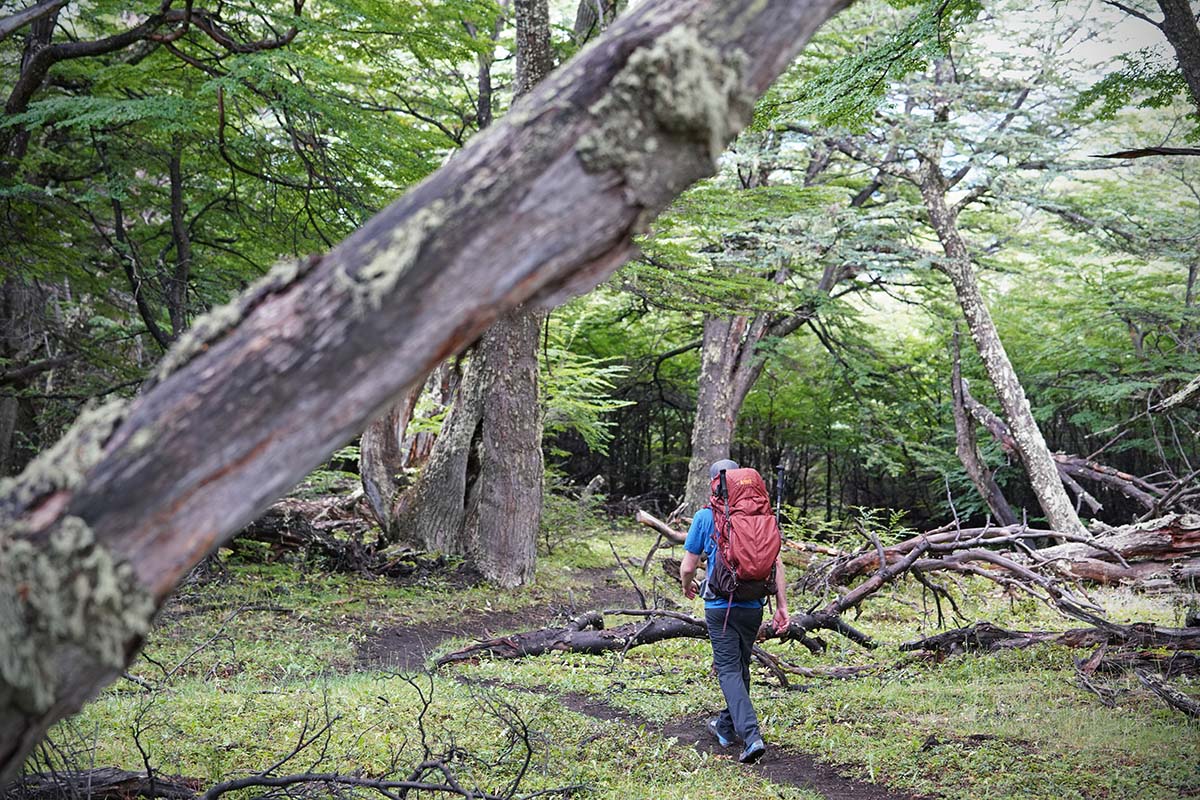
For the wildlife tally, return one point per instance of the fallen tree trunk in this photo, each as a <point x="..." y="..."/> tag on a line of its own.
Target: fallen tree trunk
<point x="1169" y="694"/>
<point x="664" y="530"/>
<point x="1166" y="547"/>
<point x="103" y="783"/>
<point x="540" y="206"/>
<point x="986" y="637"/>
<point x="587" y="634"/>
<point x="1171" y="537"/>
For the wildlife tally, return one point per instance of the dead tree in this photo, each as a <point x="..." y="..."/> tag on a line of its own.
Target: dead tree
<point x="968" y="449"/>
<point x="1073" y="468"/>
<point x="542" y="205"/>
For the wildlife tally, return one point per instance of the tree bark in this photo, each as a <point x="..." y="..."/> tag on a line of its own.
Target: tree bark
<point x="1031" y="446"/>
<point x="724" y="366"/>
<point x="494" y="520"/>
<point x="1070" y="467"/>
<point x="381" y="457"/>
<point x="968" y="451"/>
<point x="730" y="363"/>
<point x="1179" y="26"/>
<point x="541" y="206"/>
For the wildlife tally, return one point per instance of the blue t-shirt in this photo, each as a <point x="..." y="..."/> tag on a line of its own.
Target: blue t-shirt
<point x="701" y="538"/>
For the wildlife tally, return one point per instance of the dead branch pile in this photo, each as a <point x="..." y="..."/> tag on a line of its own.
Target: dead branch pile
<point x="330" y="532"/>
<point x="1143" y="554"/>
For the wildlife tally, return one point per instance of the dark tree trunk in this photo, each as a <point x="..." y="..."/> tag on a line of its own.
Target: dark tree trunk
<point x="21" y="329"/>
<point x="99" y="531"/>
<point x="177" y="283"/>
<point x="969" y="455"/>
<point x="1179" y="26"/>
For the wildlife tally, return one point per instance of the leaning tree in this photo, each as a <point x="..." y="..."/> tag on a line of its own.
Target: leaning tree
<point x="100" y="529"/>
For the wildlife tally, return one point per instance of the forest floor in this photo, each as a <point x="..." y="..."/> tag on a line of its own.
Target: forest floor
<point x="256" y="656"/>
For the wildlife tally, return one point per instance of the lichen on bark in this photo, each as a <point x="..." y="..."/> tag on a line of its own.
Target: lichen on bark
<point x="66" y="598"/>
<point x="63" y="466"/>
<point x="370" y="284"/>
<point x="679" y="90"/>
<point x="207" y="329"/>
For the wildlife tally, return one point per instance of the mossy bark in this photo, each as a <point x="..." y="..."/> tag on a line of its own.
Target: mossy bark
<point x="292" y="370"/>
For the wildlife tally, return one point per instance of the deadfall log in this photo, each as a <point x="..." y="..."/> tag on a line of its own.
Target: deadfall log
<point x="587" y="634"/>
<point x="542" y="205"/>
<point x="985" y="637"/>
<point x="1164" y="547"/>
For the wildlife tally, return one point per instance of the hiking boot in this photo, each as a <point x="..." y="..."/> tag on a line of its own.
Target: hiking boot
<point x="715" y="730"/>
<point x="753" y="752"/>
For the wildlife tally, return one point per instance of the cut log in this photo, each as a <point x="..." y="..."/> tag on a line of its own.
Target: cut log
<point x="664" y="530"/>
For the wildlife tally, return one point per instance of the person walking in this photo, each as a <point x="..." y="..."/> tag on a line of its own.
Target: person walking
<point x="733" y="624"/>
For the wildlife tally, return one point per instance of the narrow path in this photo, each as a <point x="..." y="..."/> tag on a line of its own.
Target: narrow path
<point x="409" y="647"/>
<point x="782" y="766"/>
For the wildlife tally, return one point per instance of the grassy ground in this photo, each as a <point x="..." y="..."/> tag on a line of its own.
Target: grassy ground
<point x="265" y="655"/>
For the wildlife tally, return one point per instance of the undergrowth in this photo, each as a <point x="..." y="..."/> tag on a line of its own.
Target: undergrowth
<point x="242" y="664"/>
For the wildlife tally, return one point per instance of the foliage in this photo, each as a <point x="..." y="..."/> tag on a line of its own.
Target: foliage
<point x="841" y="81"/>
<point x="1007" y="725"/>
<point x="575" y="389"/>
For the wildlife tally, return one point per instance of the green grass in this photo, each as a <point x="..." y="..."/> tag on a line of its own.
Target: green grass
<point x="1010" y="725"/>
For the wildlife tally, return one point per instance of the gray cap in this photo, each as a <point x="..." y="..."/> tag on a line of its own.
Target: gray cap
<point x="717" y="466"/>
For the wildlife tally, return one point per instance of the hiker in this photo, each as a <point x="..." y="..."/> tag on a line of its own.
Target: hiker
<point x="733" y="623"/>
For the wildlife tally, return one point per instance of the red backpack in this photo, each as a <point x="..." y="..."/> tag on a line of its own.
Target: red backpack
<point x="748" y="539"/>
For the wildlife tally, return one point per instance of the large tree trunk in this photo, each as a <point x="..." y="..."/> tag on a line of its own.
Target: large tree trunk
<point x="726" y="374"/>
<point x="1031" y="446"/>
<point x="489" y="475"/>
<point x="541" y="206"/>
<point x="1179" y="26"/>
<point x="388" y="448"/>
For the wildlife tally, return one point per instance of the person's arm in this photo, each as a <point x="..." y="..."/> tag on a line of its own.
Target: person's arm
<point x="693" y="546"/>
<point x="781" y="619"/>
<point x="687" y="574"/>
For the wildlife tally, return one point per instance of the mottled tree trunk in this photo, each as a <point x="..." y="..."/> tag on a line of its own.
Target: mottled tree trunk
<point x="1031" y="446"/>
<point x="727" y="370"/>
<point x="381" y="459"/>
<point x="480" y="494"/>
<point x="96" y="534"/>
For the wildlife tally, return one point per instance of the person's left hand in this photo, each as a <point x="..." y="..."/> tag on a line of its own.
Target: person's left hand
<point x="781" y="620"/>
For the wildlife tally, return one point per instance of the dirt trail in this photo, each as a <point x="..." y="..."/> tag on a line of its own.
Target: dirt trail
<point x="408" y="648"/>
<point x="780" y="765"/>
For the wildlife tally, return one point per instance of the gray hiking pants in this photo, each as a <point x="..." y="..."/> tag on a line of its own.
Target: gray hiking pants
<point x="731" y="640"/>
